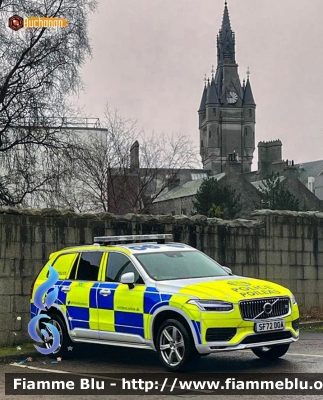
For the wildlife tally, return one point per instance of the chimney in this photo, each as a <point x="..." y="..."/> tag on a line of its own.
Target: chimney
<point x="290" y="171"/>
<point x="134" y="155"/>
<point x="233" y="167"/>
<point x="269" y="158"/>
<point x="311" y="184"/>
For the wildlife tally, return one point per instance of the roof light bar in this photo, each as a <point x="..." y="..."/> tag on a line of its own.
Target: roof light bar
<point x="132" y="238"/>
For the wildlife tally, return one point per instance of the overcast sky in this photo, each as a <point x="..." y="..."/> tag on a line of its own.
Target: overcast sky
<point x="150" y="57"/>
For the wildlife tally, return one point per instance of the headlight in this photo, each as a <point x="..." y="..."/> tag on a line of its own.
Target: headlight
<point x="212" y="305"/>
<point x="293" y="299"/>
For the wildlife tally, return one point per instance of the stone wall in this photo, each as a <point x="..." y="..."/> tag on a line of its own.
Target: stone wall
<point x="284" y="247"/>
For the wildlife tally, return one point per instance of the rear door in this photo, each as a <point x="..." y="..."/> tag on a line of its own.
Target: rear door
<point x="81" y="294"/>
<point x="63" y="264"/>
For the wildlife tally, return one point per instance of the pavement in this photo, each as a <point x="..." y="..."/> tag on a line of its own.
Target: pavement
<point x="304" y="356"/>
<point x="27" y="349"/>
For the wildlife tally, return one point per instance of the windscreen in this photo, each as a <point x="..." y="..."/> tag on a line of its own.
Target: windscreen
<point x="179" y="265"/>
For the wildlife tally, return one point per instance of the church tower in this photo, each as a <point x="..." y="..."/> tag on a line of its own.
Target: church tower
<point x="227" y="110"/>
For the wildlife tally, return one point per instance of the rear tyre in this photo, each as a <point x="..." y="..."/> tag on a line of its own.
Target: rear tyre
<point x="174" y="345"/>
<point x="65" y="348"/>
<point x="272" y="352"/>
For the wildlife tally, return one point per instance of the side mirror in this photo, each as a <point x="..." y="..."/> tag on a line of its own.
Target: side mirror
<point x="229" y="270"/>
<point x="128" y="279"/>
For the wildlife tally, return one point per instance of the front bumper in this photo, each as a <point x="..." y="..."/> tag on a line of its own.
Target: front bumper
<point x="254" y="339"/>
<point x="236" y="333"/>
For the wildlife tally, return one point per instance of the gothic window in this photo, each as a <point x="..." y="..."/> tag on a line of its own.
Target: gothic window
<point x="250" y="112"/>
<point x="201" y="143"/>
<point x="218" y="130"/>
<point x="246" y="131"/>
<point x="214" y="111"/>
<point x="210" y="134"/>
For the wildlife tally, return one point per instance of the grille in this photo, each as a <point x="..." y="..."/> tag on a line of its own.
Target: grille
<point x="295" y="324"/>
<point x="254" y="309"/>
<point x="220" y="334"/>
<point x="266" y="337"/>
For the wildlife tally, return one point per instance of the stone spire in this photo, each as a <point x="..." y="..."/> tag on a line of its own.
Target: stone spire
<point x="248" y="96"/>
<point x="226" y="39"/>
<point x="203" y="100"/>
<point x="226" y="25"/>
<point x="212" y="97"/>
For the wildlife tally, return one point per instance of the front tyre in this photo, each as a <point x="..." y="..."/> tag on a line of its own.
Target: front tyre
<point x="174" y="344"/>
<point x="271" y="353"/>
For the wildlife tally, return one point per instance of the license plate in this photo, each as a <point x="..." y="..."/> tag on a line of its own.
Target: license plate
<point x="265" y="326"/>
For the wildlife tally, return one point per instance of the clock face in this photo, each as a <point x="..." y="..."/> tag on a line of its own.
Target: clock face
<point x="232" y="98"/>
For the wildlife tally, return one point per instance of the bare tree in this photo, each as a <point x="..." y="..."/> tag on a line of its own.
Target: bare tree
<point x="100" y="160"/>
<point x="104" y="178"/>
<point x="39" y="69"/>
<point x="162" y="158"/>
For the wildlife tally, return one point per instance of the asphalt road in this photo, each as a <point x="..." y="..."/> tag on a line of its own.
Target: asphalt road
<point x="305" y="356"/>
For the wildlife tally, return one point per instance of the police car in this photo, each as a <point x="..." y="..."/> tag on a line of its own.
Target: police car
<point x="168" y="297"/>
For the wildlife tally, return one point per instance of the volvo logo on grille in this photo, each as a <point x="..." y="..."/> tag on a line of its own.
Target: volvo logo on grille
<point x="268" y="308"/>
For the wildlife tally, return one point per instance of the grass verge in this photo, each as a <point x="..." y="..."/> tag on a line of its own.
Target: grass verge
<point x="13" y="352"/>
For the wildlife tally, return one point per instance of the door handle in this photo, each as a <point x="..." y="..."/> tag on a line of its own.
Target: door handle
<point x="105" y="292"/>
<point x="65" y="289"/>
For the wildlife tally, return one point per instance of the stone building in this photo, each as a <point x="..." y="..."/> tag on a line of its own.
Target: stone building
<point x="227" y="118"/>
<point x="311" y="175"/>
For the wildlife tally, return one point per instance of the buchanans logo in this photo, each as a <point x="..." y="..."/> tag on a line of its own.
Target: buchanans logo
<point x="17" y="22"/>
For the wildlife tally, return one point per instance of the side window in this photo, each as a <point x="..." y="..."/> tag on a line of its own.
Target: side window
<point x="119" y="264"/>
<point x="88" y="266"/>
<point x="63" y="264"/>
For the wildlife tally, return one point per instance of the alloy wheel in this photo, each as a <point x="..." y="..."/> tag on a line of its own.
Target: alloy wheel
<point x="172" y="346"/>
<point x="49" y="339"/>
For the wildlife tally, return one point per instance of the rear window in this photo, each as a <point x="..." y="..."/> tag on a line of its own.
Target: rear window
<point x="63" y="264"/>
<point x="86" y="266"/>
